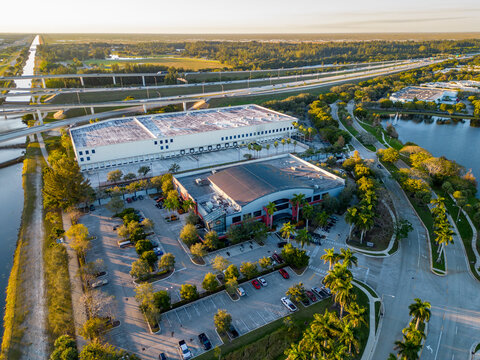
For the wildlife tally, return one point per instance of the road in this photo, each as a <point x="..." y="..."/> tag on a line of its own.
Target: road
<point x="455" y="320"/>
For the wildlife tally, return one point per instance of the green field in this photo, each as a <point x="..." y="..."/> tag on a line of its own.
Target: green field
<point x="166" y="60"/>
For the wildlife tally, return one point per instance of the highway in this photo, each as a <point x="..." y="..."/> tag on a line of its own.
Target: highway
<point x="152" y="103"/>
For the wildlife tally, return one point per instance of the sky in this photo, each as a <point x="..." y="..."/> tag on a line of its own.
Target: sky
<point x="241" y="16"/>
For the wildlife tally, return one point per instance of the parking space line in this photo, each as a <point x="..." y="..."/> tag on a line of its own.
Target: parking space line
<point x="169" y="322"/>
<point x="205" y="306"/>
<point x="215" y="306"/>
<point x="253" y="320"/>
<point x="178" y="317"/>
<point x="262" y="317"/>
<point x="222" y="300"/>
<point x="185" y="308"/>
<point x="245" y="324"/>
<point x="195" y="307"/>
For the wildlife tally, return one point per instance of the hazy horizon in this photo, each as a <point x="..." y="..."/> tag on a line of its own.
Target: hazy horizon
<point x="247" y="17"/>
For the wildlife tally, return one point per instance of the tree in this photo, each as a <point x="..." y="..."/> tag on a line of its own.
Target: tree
<point x="275" y="144"/>
<point x="249" y="269"/>
<point x="231" y="271"/>
<point x="143" y="170"/>
<point x="99" y="351"/>
<point x="150" y="257"/>
<point x="143" y="245"/>
<point x="356" y="315"/>
<point x="129" y="176"/>
<point x="407" y="350"/>
<point x="211" y="240"/>
<point x="265" y="262"/>
<point x="231" y="285"/>
<point x="93" y="328"/>
<point x="321" y="218"/>
<point x="80" y="238"/>
<point x="331" y="257"/>
<point x="188" y="292"/>
<point x="198" y="250"/>
<point x="220" y="263"/>
<point x="294" y="256"/>
<point x="133" y="187"/>
<point x="307" y="212"/>
<point x="210" y="282"/>
<point x="222" y="320"/>
<point x="189" y="234"/>
<point x="347" y="257"/>
<point x="116" y="204"/>
<point x="296" y="292"/>
<point x="388" y="155"/>
<point x="147" y="224"/>
<point x="402" y="228"/>
<point x="287" y="230"/>
<point x="348" y="337"/>
<point x="271" y="208"/>
<point x="174" y="168"/>
<point x="65" y="348"/>
<point x="98" y="303"/>
<point x="298" y="200"/>
<point x="167" y="261"/>
<point x="140" y="269"/>
<point x="420" y="311"/>
<point x="156" y="182"/>
<point x="162" y="299"/>
<point x="114" y="176"/>
<point x="188" y="205"/>
<point x="303" y="237"/>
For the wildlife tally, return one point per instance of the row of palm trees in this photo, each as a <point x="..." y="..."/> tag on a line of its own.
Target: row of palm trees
<point x="363" y="214"/>
<point x="409" y="347"/>
<point x="331" y="336"/>
<point x="441" y="226"/>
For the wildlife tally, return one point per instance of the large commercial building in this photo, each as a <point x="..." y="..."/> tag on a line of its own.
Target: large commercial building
<point x="427" y="94"/>
<point x="147" y="138"/>
<point x="232" y="194"/>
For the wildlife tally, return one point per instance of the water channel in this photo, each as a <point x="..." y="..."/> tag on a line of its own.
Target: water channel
<point x="11" y="192"/>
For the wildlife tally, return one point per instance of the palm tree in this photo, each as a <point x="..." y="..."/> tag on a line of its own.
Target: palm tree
<point x="321" y="218"/>
<point x="298" y="200"/>
<point x="347" y="257"/>
<point x="294" y="145"/>
<point x="351" y="218"/>
<point x="365" y="221"/>
<point x="342" y="294"/>
<point x="391" y="357"/>
<point x="271" y="208"/>
<point x="356" y="315"/>
<point x="420" y="311"/>
<point x="407" y="350"/>
<point x="303" y="237"/>
<point x="413" y="334"/>
<point x="188" y="204"/>
<point x="331" y="257"/>
<point x="275" y="144"/>
<point x="307" y="211"/>
<point x="349" y="338"/>
<point x="268" y="148"/>
<point x="283" y="144"/>
<point x="296" y="352"/>
<point x="287" y="230"/>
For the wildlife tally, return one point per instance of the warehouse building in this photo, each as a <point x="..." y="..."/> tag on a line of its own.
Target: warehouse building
<point x="148" y="138"/>
<point x="232" y="194"/>
<point x="427" y="94"/>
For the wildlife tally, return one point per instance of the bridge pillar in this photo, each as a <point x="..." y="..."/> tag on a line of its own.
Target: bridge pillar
<point x="81" y="81"/>
<point x="39" y="113"/>
<point x="114" y="81"/>
<point x="143" y="80"/>
<point x="144" y="108"/>
<point x="43" y="83"/>
<point x="92" y="110"/>
<point x="184" y="106"/>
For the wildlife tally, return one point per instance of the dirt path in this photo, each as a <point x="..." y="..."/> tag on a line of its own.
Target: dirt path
<point x="35" y="337"/>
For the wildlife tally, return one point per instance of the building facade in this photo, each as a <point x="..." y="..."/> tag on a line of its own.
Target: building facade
<point x="147" y="138"/>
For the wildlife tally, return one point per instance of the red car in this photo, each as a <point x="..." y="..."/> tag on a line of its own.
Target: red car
<point x="284" y="274"/>
<point x="311" y="295"/>
<point x="256" y="284"/>
<point x="277" y="258"/>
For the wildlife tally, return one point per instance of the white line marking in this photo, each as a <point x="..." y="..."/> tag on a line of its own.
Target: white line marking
<point x="456" y="330"/>
<point x="438" y="346"/>
<point x="245" y="324"/>
<point x="205" y="306"/>
<point x="178" y="317"/>
<point x="215" y="306"/>
<point x="189" y="316"/>
<point x="418" y="240"/>
<point x="169" y="322"/>
<point x="196" y="309"/>
<point x="262" y="317"/>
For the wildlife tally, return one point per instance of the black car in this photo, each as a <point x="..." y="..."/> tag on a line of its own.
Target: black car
<point x="305" y="301"/>
<point x="162" y="356"/>
<point x="281" y="244"/>
<point x="92" y="207"/>
<point x="207" y="345"/>
<point x="233" y="332"/>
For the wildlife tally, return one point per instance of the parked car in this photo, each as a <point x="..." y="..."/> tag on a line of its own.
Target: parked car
<point x="233" y="332"/>
<point x="284" y="273"/>
<point x="157" y="251"/>
<point x="277" y="258"/>
<point x="184" y="350"/>
<point x="256" y="284"/>
<point x="207" y="345"/>
<point x="92" y="207"/>
<point x="288" y="304"/>
<point x="281" y="244"/>
<point x="162" y="356"/>
<point x="129" y="200"/>
<point x="311" y="295"/>
<point x="317" y="291"/>
<point x="99" y="283"/>
<point x="241" y="291"/>
<point x="262" y="281"/>
<point x="140" y="197"/>
<point x="304" y="300"/>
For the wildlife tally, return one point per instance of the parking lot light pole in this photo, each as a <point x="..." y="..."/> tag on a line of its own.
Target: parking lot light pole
<point x="382" y="306"/>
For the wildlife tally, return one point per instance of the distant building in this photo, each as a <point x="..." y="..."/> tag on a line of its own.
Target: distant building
<point x="138" y="139"/>
<point x="232" y="194"/>
<point x="427" y="94"/>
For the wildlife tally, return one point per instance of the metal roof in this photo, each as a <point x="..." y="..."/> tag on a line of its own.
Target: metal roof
<point x="249" y="182"/>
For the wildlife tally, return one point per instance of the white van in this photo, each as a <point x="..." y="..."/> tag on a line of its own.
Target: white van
<point x="123" y="243"/>
<point x="241" y="291"/>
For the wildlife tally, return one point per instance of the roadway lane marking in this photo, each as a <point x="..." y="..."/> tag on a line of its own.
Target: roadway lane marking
<point x="438" y="346"/>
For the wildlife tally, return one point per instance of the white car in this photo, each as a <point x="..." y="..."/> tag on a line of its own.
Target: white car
<point x="184" y="350"/>
<point x="262" y="281"/>
<point x="99" y="283"/>
<point x="241" y="291"/>
<point x="288" y="304"/>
